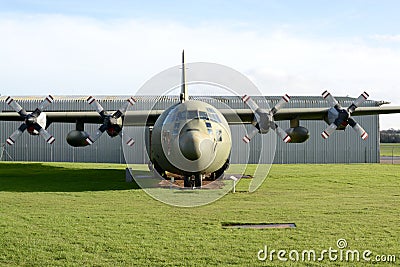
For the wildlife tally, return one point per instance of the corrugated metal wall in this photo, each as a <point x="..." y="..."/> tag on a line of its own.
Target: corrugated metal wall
<point x="341" y="147"/>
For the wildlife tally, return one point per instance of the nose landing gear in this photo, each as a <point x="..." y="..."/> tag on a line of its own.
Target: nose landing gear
<point x="193" y="181"/>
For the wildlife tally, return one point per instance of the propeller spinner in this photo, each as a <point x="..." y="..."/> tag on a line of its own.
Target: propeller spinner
<point x="343" y="116"/>
<point x="264" y="119"/>
<point x="111" y="122"/>
<point x="34" y="122"/>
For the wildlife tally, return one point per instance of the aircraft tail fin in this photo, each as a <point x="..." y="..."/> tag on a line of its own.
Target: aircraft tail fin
<point x="184" y="94"/>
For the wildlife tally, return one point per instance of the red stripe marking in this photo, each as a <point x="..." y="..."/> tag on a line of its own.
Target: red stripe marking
<point x="325" y="135"/>
<point x="89" y="140"/>
<point x="286" y="98"/>
<point x="364" y="136"/>
<point x="9" y="100"/>
<point x="10" y="141"/>
<point x="49" y="98"/>
<point x="132" y="100"/>
<point x="246" y="139"/>
<point x="130" y="142"/>
<point x="287" y="139"/>
<point x="90" y="99"/>
<point x="245" y="98"/>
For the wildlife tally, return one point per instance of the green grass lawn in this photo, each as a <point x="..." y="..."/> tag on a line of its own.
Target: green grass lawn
<point x="58" y="214"/>
<point x="389" y="149"/>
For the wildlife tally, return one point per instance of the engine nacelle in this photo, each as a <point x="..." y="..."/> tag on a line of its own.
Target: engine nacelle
<point x="77" y="138"/>
<point x="298" y="134"/>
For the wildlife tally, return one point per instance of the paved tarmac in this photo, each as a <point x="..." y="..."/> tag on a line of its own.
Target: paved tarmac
<point x="390" y="160"/>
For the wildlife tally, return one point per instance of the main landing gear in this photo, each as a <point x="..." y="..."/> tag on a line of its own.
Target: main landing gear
<point x="192" y="181"/>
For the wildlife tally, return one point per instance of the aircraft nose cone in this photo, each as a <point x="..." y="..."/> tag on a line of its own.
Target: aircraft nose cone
<point x="193" y="145"/>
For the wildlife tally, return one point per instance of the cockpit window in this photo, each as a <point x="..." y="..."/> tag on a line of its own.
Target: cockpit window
<point x="213" y="115"/>
<point x="176" y="128"/>
<point x="170" y="117"/>
<point x="210" y="110"/>
<point x="192" y="114"/>
<point x="176" y="115"/>
<point x="181" y="116"/>
<point x="203" y="115"/>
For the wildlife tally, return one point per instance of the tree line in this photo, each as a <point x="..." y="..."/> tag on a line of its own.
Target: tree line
<point x="390" y="136"/>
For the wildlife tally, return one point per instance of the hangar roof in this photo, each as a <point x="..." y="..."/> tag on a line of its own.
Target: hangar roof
<point x="151" y="98"/>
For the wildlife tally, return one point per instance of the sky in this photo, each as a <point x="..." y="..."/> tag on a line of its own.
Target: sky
<point x="113" y="47"/>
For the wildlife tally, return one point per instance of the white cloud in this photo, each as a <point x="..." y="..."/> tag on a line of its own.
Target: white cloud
<point x="386" y="37"/>
<point x="74" y="55"/>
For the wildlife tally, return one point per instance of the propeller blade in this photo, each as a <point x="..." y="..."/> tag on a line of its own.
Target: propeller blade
<point x="281" y="102"/>
<point x="93" y="102"/>
<point x="249" y="136"/>
<point x="45" y="103"/>
<point x="127" y="139"/>
<point x="250" y="102"/>
<point x="15" y="106"/>
<point x="32" y="119"/>
<point x="46" y="135"/>
<point x="130" y="101"/>
<point x="328" y="131"/>
<point x="357" y="127"/>
<point x="91" y="139"/>
<point x="363" y="134"/>
<point x="264" y="118"/>
<point x="282" y="134"/>
<point x="358" y="102"/>
<point x="332" y="101"/>
<point x="14" y="136"/>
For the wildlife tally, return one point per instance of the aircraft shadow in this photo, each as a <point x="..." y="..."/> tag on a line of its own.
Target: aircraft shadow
<point x="38" y="177"/>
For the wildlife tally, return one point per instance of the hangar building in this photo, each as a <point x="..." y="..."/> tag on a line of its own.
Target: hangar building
<point x="341" y="147"/>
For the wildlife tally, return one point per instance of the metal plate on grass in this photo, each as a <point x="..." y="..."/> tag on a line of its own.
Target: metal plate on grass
<point x="258" y="225"/>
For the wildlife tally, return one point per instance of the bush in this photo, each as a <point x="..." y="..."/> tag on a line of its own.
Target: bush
<point x="390" y="136"/>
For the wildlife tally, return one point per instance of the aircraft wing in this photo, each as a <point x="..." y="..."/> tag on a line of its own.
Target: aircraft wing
<point x="239" y="116"/>
<point x="233" y="116"/>
<point x="132" y="118"/>
<point x="320" y="113"/>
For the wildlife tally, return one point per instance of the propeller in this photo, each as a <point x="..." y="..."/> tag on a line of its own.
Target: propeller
<point x="34" y="122"/>
<point x="264" y="119"/>
<point x="342" y="117"/>
<point x="111" y="122"/>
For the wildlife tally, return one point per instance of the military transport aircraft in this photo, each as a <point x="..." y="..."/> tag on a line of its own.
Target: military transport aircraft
<point x="196" y="134"/>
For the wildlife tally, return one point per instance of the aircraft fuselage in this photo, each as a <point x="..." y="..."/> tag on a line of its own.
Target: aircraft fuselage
<point x="191" y="138"/>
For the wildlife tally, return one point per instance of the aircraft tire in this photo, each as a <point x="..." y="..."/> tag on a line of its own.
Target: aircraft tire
<point x="187" y="182"/>
<point x="198" y="180"/>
